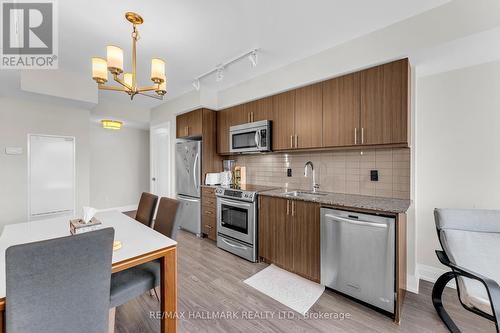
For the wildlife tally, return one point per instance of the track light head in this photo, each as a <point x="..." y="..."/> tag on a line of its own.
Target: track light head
<point x="196" y="84"/>
<point x="220" y="74"/>
<point x="253" y="59"/>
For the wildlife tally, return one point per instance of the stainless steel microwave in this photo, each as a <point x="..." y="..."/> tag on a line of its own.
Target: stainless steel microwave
<point x="251" y="137"/>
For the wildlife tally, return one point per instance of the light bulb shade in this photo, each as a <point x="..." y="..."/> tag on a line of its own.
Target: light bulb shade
<point x="128" y="79"/>
<point x="111" y="124"/>
<point x="115" y="59"/>
<point x="99" y="70"/>
<point x="157" y="70"/>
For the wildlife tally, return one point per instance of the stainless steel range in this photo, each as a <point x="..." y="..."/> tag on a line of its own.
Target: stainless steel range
<point x="237" y="220"/>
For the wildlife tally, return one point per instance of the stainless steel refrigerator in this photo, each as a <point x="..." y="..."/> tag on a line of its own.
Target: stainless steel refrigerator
<point x="188" y="180"/>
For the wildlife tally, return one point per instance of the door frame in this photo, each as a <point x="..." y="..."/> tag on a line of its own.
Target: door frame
<point x="152" y="162"/>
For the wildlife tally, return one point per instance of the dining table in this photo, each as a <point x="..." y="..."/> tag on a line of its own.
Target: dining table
<point x="139" y="244"/>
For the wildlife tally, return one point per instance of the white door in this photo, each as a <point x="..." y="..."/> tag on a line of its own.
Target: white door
<point x="51" y="173"/>
<point x="160" y="160"/>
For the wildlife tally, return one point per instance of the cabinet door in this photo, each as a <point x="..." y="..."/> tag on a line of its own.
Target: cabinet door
<point x="384" y="104"/>
<point x="396" y="88"/>
<point x="374" y="120"/>
<point x="275" y="241"/>
<point x="194" y="122"/>
<point x="223" y="132"/>
<point x="306" y="239"/>
<point x="260" y="109"/>
<point x="238" y="115"/>
<point x="181" y="129"/>
<point x="341" y="107"/>
<point x="309" y="116"/>
<point x="283" y="126"/>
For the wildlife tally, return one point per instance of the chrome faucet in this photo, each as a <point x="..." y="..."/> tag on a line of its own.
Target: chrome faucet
<point x="315" y="186"/>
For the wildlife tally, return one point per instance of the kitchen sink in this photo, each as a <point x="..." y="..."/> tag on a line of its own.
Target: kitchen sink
<point x="304" y="194"/>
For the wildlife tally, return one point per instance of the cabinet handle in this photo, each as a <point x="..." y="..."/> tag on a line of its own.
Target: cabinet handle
<point x="287" y="207"/>
<point x="253" y="117"/>
<point x="248" y="117"/>
<point x="296" y="141"/>
<point x="291" y="141"/>
<point x="355" y="135"/>
<point x="293" y="208"/>
<point x="362" y="135"/>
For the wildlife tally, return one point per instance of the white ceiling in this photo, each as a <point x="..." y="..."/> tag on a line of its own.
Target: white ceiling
<point x="196" y="35"/>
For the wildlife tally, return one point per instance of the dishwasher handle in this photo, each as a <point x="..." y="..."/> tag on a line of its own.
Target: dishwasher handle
<point x="357" y="222"/>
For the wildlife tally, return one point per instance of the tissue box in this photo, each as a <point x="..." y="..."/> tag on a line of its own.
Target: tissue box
<point x="78" y="226"/>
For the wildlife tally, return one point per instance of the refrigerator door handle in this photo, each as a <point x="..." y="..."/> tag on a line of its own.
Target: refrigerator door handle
<point x="195" y="174"/>
<point x="183" y="198"/>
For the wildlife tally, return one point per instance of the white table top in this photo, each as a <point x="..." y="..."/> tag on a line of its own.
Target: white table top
<point x="137" y="239"/>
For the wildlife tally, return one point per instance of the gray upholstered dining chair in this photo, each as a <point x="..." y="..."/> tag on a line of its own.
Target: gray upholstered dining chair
<point x="133" y="282"/>
<point x="59" y="285"/>
<point x="470" y="239"/>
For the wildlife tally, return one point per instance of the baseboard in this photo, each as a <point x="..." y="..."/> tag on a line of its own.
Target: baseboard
<point x="431" y="274"/>
<point x="120" y="209"/>
<point x="412" y="283"/>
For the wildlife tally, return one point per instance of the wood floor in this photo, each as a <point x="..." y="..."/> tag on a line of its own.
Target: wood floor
<point x="211" y="280"/>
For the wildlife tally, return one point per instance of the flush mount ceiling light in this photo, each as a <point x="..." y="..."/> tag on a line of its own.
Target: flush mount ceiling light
<point x="219" y="70"/>
<point x="111" y="124"/>
<point x="128" y="82"/>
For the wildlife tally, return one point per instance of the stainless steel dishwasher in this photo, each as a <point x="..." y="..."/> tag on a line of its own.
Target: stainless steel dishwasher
<point x="358" y="256"/>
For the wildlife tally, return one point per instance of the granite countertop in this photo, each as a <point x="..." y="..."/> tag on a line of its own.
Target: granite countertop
<point x="386" y="205"/>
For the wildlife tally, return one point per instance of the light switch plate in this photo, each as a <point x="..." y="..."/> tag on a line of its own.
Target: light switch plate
<point x="13" y="150"/>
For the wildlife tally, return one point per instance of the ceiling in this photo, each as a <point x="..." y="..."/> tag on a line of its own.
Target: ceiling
<point x="196" y="35"/>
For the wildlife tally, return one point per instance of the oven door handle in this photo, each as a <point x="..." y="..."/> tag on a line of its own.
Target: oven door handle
<point x="233" y="245"/>
<point x="235" y="203"/>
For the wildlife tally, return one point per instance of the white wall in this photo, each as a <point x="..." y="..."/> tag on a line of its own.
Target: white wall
<point x="119" y="166"/>
<point x="17" y="119"/>
<point x="458" y="127"/>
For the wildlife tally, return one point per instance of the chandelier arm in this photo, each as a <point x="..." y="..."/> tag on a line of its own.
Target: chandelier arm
<point x="114" y="88"/>
<point x="152" y="96"/>
<point x="150" y="88"/>
<point x="120" y="81"/>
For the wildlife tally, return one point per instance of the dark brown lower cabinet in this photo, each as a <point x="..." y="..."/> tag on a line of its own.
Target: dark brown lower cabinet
<point x="208" y="213"/>
<point x="289" y="235"/>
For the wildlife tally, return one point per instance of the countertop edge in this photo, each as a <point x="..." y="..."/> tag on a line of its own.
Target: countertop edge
<point x="332" y="202"/>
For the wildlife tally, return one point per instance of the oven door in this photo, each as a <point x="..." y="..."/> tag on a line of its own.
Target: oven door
<point x="236" y="219"/>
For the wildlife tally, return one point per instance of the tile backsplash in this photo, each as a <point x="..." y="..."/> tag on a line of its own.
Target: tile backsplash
<point x="342" y="172"/>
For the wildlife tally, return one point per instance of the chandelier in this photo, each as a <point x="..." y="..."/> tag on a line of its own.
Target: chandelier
<point x="128" y="82"/>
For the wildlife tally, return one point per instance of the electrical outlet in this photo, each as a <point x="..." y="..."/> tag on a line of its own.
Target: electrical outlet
<point x="374" y="175"/>
<point x="289" y="172"/>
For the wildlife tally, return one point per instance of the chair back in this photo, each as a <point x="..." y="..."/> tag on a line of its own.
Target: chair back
<point x="480" y="220"/>
<point x="60" y="285"/>
<point x="165" y="217"/>
<point x="146" y="209"/>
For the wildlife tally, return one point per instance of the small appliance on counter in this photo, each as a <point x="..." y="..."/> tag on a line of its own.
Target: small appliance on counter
<point x="227" y="175"/>
<point x="213" y="178"/>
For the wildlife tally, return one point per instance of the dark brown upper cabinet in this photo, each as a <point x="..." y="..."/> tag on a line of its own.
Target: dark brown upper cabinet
<point x="283" y="126"/>
<point x="309" y="116"/>
<point x="341" y="107"/>
<point x="223" y="131"/>
<point x="189" y="124"/>
<point x="385" y="104"/>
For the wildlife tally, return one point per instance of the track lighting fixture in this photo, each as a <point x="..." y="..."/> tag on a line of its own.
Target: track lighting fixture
<point x="220" y="74"/>
<point x="196" y="84"/>
<point x="253" y="58"/>
<point x="219" y="70"/>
